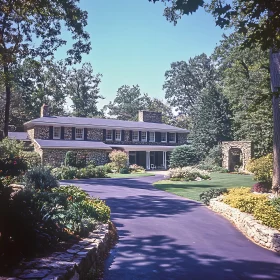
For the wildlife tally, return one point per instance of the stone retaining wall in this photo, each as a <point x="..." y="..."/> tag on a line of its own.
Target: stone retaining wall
<point x="248" y="225"/>
<point x="82" y="261"/>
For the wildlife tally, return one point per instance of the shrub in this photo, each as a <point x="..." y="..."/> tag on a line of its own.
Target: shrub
<point x="262" y="168"/>
<point x="212" y="193"/>
<point x="136" y="168"/>
<point x="243" y="199"/>
<point x="275" y="202"/>
<point x="261" y="187"/>
<point x="188" y="173"/>
<point x="119" y="159"/>
<point x="31" y="159"/>
<point x="81" y="162"/>
<point x="64" y="172"/>
<point x="10" y="148"/>
<point x="75" y="193"/>
<point x="183" y="156"/>
<point x="214" y="157"/>
<point x="109" y="167"/>
<point x="70" y="158"/>
<point x="12" y="166"/>
<point x="124" y="170"/>
<point x="100" y="172"/>
<point x="212" y="168"/>
<point x="40" y="178"/>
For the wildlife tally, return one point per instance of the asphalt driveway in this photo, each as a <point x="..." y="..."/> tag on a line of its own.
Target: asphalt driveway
<point x="163" y="236"/>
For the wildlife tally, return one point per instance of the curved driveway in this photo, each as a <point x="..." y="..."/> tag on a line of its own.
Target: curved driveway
<point x="163" y="236"/>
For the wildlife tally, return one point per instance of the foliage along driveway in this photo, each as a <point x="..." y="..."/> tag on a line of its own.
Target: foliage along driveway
<point x="163" y="236"/>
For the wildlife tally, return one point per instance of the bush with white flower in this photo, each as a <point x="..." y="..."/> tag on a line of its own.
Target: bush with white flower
<point x="188" y="173"/>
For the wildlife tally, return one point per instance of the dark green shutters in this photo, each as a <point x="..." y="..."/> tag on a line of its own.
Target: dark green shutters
<point x="148" y="136"/>
<point x="62" y="132"/>
<point x="85" y="134"/>
<point x="73" y="133"/>
<point x="50" y="132"/>
<point x="104" y="134"/>
<point x="158" y="136"/>
<point x="122" y="135"/>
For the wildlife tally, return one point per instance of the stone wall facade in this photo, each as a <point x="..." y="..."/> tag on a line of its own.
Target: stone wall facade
<point x="56" y="157"/>
<point x="41" y="132"/>
<point x="147" y="116"/>
<point x="31" y="133"/>
<point x="67" y="133"/>
<point x="84" y="260"/>
<point x="244" y="146"/>
<point x="182" y="138"/>
<point x="95" y="134"/>
<point x="248" y="225"/>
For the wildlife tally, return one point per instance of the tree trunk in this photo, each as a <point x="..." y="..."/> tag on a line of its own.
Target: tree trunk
<point x="8" y="101"/>
<point x="276" y="141"/>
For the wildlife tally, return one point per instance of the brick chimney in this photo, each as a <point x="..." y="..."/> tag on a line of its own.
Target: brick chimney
<point x="148" y="116"/>
<point x="44" y="111"/>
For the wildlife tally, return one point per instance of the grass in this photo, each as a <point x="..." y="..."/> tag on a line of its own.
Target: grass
<point x="131" y="175"/>
<point x="193" y="189"/>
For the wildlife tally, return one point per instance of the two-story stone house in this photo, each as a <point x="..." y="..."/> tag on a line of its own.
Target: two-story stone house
<point x="148" y="141"/>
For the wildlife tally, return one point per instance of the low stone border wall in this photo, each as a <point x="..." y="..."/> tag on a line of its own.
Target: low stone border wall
<point x="83" y="260"/>
<point x="248" y="225"/>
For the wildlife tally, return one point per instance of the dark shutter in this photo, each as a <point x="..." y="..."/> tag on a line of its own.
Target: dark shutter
<point x="114" y="134"/>
<point x="158" y="136"/>
<point x="85" y="134"/>
<point x="177" y="137"/>
<point x="139" y="136"/>
<point x="73" y="133"/>
<point x="148" y="136"/>
<point x="62" y="132"/>
<point x="167" y="136"/>
<point x="130" y="135"/>
<point x="104" y="134"/>
<point x="122" y="135"/>
<point x="50" y="132"/>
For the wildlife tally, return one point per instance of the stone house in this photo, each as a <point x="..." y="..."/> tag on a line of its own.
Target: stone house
<point x="148" y="141"/>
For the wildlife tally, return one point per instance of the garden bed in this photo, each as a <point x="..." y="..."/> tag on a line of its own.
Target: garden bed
<point x="248" y="225"/>
<point x="83" y="260"/>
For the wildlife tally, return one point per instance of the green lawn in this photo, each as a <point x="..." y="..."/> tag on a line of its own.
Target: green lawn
<point x="132" y="175"/>
<point x="193" y="189"/>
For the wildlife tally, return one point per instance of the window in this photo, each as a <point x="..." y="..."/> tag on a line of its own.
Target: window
<point x="172" y="137"/>
<point x="118" y="135"/>
<point x="109" y="135"/>
<point x="144" y="136"/>
<point x="163" y="137"/>
<point x="79" y="134"/>
<point x="56" y="132"/>
<point x="152" y="137"/>
<point x="135" y="136"/>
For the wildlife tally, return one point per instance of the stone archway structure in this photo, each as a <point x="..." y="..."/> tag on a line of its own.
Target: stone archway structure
<point x="231" y="150"/>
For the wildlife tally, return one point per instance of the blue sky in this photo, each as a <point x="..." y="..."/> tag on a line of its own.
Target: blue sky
<point x="133" y="43"/>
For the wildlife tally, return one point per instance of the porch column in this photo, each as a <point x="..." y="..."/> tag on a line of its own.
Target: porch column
<point x="148" y="164"/>
<point x="164" y="160"/>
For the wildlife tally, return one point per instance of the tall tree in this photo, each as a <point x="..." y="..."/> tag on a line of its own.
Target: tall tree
<point x="128" y="102"/>
<point x="22" y="21"/>
<point x="211" y="119"/>
<point x="185" y="81"/>
<point x="83" y="89"/>
<point x="245" y="82"/>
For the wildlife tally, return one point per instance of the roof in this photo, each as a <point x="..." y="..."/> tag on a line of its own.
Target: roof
<point x="146" y="148"/>
<point x="23" y="136"/>
<point x="68" y="144"/>
<point x="103" y="123"/>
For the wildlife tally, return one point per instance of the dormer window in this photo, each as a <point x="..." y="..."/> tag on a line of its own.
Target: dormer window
<point x="109" y="135"/>
<point x="79" y="134"/>
<point x="163" y="137"/>
<point x="135" y="136"/>
<point x="56" y="132"/>
<point x="172" y="137"/>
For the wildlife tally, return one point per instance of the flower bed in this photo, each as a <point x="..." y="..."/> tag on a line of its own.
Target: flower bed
<point x="188" y="174"/>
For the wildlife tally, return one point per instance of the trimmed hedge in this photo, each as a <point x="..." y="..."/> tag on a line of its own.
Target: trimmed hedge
<point x="184" y="155"/>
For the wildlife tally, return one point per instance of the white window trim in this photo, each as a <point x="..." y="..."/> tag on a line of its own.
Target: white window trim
<point x="165" y="137"/>
<point x="145" y="140"/>
<point x="118" y="139"/>
<point x="83" y="133"/>
<point x="109" y="139"/>
<point x="135" y="140"/>
<point x="59" y="132"/>
<point x="174" y="137"/>
<point x="154" y="140"/>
